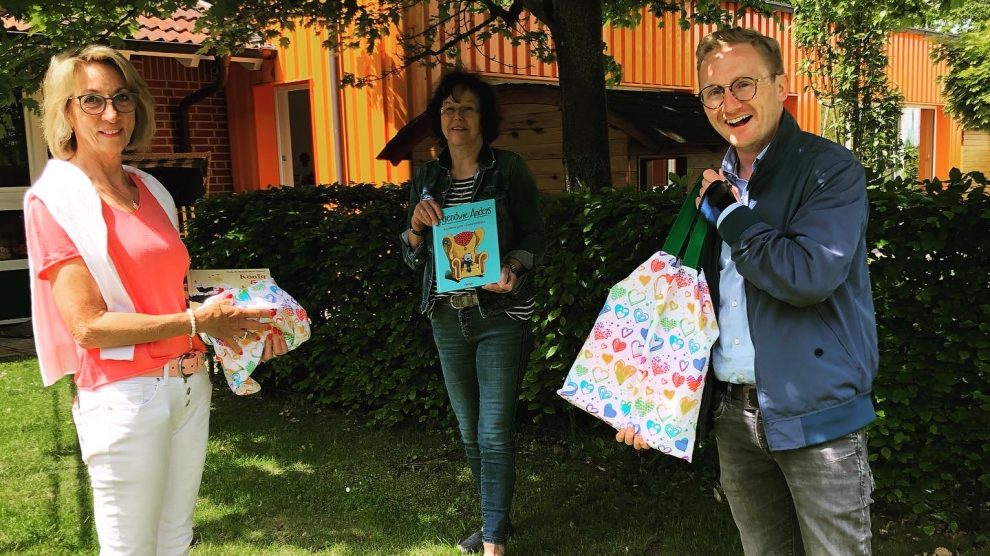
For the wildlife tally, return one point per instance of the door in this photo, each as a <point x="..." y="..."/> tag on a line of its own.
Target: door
<point x="295" y="135"/>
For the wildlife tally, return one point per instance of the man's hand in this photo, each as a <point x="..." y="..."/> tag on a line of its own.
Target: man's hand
<point x="703" y="202"/>
<point x="629" y="436"/>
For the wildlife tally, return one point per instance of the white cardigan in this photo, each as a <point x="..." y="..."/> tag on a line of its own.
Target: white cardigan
<point x="75" y="205"/>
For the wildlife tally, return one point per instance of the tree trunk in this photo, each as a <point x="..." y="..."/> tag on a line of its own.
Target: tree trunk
<point x="576" y="27"/>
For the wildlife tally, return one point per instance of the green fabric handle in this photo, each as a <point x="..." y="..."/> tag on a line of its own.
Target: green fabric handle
<point x="687" y="234"/>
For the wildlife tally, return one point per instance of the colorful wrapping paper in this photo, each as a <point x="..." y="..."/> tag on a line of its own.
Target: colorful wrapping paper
<point x="644" y="363"/>
<point x="290" y="319"/>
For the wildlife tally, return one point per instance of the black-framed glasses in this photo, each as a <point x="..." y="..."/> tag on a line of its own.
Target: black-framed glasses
<point x="92" y="103"/>
<point x="742" y="89"/>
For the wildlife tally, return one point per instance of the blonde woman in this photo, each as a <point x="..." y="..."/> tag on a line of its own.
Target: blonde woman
<point x="109" y="307"/>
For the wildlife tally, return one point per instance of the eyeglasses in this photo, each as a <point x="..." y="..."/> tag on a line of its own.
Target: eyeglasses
<point x="462" y="111"/>
<point x="742" y="89"/>
<point x="92" y="103"/>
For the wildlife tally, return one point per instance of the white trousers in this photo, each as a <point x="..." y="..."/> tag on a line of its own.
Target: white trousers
<point x="144" y="442"/>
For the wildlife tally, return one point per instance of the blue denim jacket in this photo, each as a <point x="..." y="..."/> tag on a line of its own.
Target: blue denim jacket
<point x="801" y="248"/>
<point x="504" y="177"/>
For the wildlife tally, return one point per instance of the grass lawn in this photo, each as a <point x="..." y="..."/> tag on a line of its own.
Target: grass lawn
<point x="282" y="479"/>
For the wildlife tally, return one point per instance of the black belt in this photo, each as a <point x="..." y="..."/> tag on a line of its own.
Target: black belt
<point x="745" y="393"/>
<point x="463" y="300"/>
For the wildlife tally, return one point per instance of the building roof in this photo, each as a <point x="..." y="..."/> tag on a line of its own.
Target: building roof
<point x="177" y="29"/>
<point x="664" y="118"/>
<point x="658" y="120"/>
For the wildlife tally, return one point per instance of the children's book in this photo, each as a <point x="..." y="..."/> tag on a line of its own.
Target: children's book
<point x="203" y="283"/>
<point x="465" y="247"/>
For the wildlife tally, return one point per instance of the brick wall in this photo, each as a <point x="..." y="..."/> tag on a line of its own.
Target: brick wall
<point x="170" y="82"/>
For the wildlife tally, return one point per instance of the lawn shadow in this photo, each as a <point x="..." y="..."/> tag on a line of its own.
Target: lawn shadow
<point x="68" y="451"/>
<point x="67" y="501"/>
<point x="274" y="477"/>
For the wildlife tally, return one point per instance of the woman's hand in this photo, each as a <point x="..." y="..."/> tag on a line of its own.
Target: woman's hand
<point x="629" y="436"/>
<point x="506" y="281"/>
<point x="426" y="213"/>
<point x="227" y="323"/>
<point x="275" y="345"/>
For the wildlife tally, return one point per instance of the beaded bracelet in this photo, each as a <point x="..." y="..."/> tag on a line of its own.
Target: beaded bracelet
<point x="192" y="326"/>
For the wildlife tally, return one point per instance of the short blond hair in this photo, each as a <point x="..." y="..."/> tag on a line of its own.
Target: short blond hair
<point x="768" y="47"/>
<point x="57" y="88"/>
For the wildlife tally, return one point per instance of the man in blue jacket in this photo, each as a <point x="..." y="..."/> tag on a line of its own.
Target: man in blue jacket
<point x="797" y="351"/>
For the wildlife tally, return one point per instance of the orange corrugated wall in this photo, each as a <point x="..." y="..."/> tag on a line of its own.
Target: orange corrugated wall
<point x="651" y="57"/>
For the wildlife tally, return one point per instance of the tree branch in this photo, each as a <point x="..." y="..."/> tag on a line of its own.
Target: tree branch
<point x="453" y="40"/>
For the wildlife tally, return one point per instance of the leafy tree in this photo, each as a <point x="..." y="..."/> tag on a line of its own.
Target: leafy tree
<point x="845" y="42"/>
<point x="570" y="35"/>
<point x="56" y="26"/>
<point x="967" y="50"/>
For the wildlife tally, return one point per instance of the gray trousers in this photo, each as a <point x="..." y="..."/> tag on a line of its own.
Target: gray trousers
<point x="811" y="501"/>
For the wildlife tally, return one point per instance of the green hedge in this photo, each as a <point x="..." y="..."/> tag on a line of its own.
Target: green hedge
<point x="336" y="250"/>
<point x="930" y="267"/>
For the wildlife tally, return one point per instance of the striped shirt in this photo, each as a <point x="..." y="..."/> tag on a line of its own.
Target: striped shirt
<point x="460" y="192"/>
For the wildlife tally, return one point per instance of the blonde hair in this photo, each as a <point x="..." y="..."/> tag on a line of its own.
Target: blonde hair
<point x="57" y="88"/>
<point x="768" y="47"/>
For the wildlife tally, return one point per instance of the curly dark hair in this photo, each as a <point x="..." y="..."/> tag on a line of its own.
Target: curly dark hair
<point x="452" y="85"/>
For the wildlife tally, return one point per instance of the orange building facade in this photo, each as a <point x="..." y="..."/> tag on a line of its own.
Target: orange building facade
<point x="293" y="123"/>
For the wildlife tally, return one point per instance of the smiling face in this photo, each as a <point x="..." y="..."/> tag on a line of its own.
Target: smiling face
<point x="460" y="119"/>
<point x="750" y="125"/>
<point x="108" y="133"/>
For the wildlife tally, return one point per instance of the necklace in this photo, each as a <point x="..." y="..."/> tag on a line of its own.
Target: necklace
<point x="122" y="199"/>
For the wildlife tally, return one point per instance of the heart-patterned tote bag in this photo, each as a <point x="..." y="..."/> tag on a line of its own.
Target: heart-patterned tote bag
<point x="644" y="363"/>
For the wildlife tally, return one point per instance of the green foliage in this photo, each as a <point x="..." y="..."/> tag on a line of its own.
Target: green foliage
<point x="336" y="249"/>
<point x="928" y="266"/>
<point x="371" y="349"/>
<point x="845" y="43"/>
<point x="57" y="26"/>
<point x="909" y="163"/>
<point x="967" y="85"/>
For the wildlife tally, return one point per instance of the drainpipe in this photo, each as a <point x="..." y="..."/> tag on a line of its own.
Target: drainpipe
<point x="338" y="132"/>
<point x="182" y="140"/>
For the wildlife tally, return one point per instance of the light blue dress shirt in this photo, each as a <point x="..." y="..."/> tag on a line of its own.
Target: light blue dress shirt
<point x="734" y="358"/>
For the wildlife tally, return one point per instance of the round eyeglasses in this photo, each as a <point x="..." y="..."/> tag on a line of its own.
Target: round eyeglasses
<point x="92" y="103"/>
<point x="742" y="89"/>
<point x="462" y="111"/>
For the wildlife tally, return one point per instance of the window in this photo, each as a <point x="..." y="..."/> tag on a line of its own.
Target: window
<point x="22" y="157"/>
<point x="654" y="172"/>
<point x="15" y="168"/>
<point x="918" y="138"/>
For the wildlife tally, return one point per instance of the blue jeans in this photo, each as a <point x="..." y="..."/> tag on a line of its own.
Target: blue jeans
<point x="813" y="500"/>
<point x="483" y="360"/>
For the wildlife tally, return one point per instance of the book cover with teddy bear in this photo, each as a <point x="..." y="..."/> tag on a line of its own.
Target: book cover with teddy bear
<point x="465" y="247"/>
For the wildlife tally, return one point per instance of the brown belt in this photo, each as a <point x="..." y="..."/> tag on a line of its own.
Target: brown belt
<point x="745" y="393"/>
<point x="463" y="300"/>
<point x="184" y="365"/>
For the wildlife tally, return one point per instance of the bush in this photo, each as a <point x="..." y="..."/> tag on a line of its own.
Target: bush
<point x="336" y="249"/>
<point x="931" y="442"/>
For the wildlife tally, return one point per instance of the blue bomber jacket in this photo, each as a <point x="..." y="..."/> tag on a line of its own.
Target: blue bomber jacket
<point x="502" y="176"/>
<point x="801" y="248"/>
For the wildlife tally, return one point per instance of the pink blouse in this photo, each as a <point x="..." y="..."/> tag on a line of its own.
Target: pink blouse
<point x="152" y="262"/>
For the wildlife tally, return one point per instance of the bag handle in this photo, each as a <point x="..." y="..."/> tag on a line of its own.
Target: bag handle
<point x="687" y="235"/>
